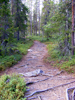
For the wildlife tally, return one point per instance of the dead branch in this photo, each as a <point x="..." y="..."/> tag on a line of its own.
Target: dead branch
<point x="48" y="89"/>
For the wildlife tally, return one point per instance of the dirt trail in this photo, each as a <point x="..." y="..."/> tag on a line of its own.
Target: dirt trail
<point x="34" y="60"/>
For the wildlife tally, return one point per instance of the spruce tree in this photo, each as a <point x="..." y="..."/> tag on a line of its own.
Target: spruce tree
<point x="6" y="25"/>
<point x="20" y="17"/>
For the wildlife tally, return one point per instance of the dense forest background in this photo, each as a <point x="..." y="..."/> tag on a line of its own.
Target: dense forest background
<point x="21" y="22"/>
<point x="26" y="23"/>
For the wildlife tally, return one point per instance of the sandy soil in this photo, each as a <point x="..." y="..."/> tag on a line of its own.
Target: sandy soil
<point x="34" y="60"/>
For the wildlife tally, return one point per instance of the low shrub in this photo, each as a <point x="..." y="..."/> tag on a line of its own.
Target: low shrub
<point x="12" y="87"/>
<point x="8" y="61"/>
<point x="62" y="62"/>
<point x="19" y="49"/>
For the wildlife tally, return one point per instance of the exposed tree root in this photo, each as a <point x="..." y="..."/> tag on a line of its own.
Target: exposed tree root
<point x="29" y="83"/>
<point x="39" y="97"/>
<point x="32" y="98"/>
<point x="48" y="89"/>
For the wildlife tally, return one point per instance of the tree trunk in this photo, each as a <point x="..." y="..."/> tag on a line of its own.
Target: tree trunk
<point x="18" y="35"/>
<point x="12" y="1"/>
<point x="67" y="52"/>
<point x="31" y="17"/>
<point x="73" y="24"/>
<point x="39" y="17"/>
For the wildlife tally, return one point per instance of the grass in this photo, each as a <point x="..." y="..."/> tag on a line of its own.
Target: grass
<point x="20" y="49"/>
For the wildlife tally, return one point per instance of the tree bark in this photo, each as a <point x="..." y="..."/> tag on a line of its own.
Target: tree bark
<point x="31" y="17"/>
<point x="18" y="35"/>
<point x="12" y="6"/>
<point x="73" y="25"/>
<point x="39" y="17"/>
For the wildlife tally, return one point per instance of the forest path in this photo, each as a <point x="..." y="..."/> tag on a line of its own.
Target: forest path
<point x="34" y="60"/>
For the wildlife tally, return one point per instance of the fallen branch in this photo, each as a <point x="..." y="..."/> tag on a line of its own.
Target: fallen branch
<point x="48" y="89"/>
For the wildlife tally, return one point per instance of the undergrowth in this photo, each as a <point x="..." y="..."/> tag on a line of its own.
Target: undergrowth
<point x="18" y="50"/>
<point x="12" y="87"/>
<point x="37" y="38"/>
<point x="62" y="62"/>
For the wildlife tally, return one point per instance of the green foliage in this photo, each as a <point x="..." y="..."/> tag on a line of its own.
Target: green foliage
<point x="18" y="50"/>
<point x="66" y="63"/>
<point x="1" y="1"/>
<point x="48" y="30"/>
<point x="54" y="24"/>
<point x="12" y="87"/>
<point x="38" y="38"/>
<point x="24" y="47"/>
<point x="6" y="28"/>
<point x="20" y="17"/>
<point x="8" y="61"/>
<point x="53" y="52"/>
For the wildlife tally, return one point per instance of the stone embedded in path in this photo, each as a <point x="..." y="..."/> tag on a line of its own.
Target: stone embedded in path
<point x="40" y="66"/>
<point x="30" y="50"/>
<point x="33" y="73"/>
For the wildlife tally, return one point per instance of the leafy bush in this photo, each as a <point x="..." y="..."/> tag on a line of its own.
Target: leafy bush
<point x="12" y="87"/>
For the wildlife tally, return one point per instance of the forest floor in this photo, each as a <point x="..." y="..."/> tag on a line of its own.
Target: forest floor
<point x="53" y="76"/>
